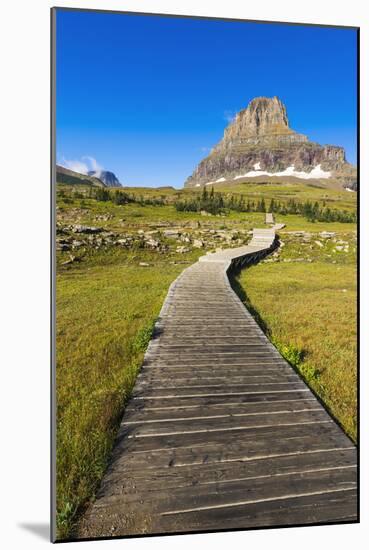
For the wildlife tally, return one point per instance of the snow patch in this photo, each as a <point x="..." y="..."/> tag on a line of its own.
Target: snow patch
<point x="216" y="181"/>
<point x="257" y="166"/>
<point x="198" y="185"/>
<point x="316" y="172"/>
<point x="348" y="189"/>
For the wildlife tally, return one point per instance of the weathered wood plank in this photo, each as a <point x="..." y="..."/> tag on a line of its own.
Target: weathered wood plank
<point x="220" y="431"/>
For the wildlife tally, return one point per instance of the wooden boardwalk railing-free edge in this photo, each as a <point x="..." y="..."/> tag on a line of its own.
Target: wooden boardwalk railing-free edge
<point x="221" y="432"/>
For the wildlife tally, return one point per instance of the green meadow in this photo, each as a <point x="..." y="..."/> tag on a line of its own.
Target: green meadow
<point x="111" y="285"/>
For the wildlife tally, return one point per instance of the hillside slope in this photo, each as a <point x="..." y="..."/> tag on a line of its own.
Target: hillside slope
<point x="69" y="177"/>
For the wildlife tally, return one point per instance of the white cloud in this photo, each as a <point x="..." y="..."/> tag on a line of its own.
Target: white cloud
<point x="229" y="116"/>
<point x="95" y="166"/>
<point x="75" y="165"/>
<point x="205" y="149"/>
<point x="83" y="165"/>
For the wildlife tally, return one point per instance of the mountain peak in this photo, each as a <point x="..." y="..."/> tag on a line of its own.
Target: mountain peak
<point x="264" y="115"/>
<point x="108" y="178"/>
<point x="263" y="120"/>
<point x="260" y="136"/>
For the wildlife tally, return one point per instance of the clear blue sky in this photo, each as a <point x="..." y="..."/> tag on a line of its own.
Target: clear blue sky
<point x="147" y="97"/>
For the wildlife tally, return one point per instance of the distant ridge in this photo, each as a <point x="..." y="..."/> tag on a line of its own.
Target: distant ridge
<point x="70" y="177"/>
<point x="108" y="178"/>
<point x="259" y="142"/>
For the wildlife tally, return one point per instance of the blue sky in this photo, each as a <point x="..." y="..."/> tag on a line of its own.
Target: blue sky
<point x="147" y="97"/>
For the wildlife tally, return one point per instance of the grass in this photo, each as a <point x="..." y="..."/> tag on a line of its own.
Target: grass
<point x="105" y="316"/>
<point x="107" y="304"/>
<point x="284" y="191"/>
<point x="309" y="312"/>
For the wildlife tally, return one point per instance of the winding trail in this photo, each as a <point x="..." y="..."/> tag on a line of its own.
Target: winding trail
<point x="220" y="432"/>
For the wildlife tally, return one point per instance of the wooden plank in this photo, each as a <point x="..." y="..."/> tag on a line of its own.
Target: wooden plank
<point x="220" y="431"/>
<point x="213" y="473"/>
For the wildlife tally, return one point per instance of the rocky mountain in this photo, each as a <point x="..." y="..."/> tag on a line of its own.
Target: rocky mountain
<point x="65" y="175"/>
<point x="108" y="178"/>
<point x="259" y="143"/>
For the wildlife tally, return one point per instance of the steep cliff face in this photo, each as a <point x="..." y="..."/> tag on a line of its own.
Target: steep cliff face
<point x="259" y="142"/>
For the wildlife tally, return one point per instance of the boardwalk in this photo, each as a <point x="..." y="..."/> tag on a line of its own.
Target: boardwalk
<point x="220" y="431"/>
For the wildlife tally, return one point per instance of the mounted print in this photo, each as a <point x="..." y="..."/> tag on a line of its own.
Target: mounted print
<point x="205" y="180"/>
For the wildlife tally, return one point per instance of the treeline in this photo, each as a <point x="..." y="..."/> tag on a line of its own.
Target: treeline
<point x="122" y="197"/>
<point x="217" y="203"/>
<point x="312" y="211"/>
<point x="214" y="203"/>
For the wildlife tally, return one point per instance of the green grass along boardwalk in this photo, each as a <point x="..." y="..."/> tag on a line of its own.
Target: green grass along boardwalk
<point x="220" y="431"/>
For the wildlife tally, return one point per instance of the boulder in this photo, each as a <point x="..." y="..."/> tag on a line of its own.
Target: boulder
<point x="86" y="229"/>
<point x="182" y="249"/>
<point x="171" y="234"/>
<point x="198" y="243"/>
<point x="152" y="243"/>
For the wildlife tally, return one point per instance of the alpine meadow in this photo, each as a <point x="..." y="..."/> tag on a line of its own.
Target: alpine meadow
<point x="206" y="276"/>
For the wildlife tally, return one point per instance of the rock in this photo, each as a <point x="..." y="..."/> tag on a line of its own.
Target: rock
<point x="260" y="139"/>
<point x="62" y="246"/>
<point x="319" y="243"/>
<point x="86" y="229"/>
<point x="204" y="213"/>
<point x="108" y="178"/>
<point x="171" y="234"/>
<point x="182" y="249"/>
<point x="71" y="260"/>
<point x="338" y="247"/>
<point x="60" y="230"/>
<point x="152" y="243"/>
<point x="198" y="243"/>
<point x="77" y="244"/>
<point x="327" y="234"/>
<point x="122" y="242"/>
<point x="143" y="264"/>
